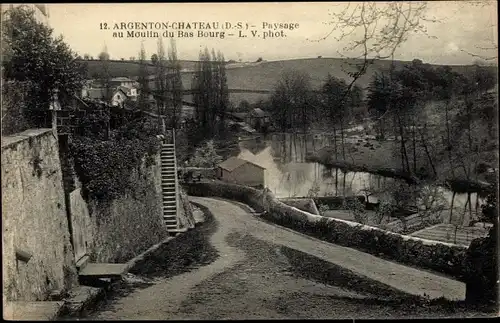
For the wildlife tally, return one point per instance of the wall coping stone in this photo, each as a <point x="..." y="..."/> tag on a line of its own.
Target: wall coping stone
<point x="8" y="141"/>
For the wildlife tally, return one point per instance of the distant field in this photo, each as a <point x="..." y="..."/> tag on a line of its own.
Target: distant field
<point x="446" y="233"/>
<point x="264" y="75"/>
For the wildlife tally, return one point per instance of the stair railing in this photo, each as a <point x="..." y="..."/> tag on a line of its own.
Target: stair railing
<point x="177" y="193"/>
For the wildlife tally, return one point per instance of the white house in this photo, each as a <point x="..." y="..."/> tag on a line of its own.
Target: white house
<point x="119" y="96"/>
<point x="131" y="92"/>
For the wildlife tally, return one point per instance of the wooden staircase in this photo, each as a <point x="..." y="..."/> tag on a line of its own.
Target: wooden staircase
<point x="170" y="185"/>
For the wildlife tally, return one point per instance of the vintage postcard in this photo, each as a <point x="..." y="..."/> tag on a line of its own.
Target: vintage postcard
<point x="330" y="160"/>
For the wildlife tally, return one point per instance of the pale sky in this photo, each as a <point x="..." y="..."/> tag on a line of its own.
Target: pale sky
<point x="461" y="26"/>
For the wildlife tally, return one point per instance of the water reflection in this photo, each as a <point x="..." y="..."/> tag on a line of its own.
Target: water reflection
<point x="289" y="175"/>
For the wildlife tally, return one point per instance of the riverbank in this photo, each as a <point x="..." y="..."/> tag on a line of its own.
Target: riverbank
<point x="377" y="158"/>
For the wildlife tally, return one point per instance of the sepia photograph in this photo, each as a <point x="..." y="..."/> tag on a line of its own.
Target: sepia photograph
<point x="270" y="160"/>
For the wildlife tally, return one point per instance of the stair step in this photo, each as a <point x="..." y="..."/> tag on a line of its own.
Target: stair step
<point x="167" y="145"/>
<point x="176" y="230"/>
<point x="170" y="221"/>
<point x="170" y="212"/>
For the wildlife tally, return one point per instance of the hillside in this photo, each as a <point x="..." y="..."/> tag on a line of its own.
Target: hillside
<point x="264" y="75"/>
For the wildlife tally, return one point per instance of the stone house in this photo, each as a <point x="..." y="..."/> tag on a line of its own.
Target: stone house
<point x="239" y="171"/>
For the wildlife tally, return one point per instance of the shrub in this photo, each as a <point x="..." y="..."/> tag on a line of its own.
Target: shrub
<point x="481" y="269"/>
<point x="104" y="166"/>
<point x="323" y="208"/>
<point x="385" y="208"/>
<point x="357" y="208"/>
<point x="206" y="156"/>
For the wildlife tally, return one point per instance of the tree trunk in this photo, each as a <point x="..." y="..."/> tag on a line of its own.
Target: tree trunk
<point x="470" y="206"/>
<point x="335" y="142"/>
<point x="343" y="183"/>
<point x="451" y="206"/>
<point x="448" y="136"/>
<point x="414" y="147"/>
<point x="342" y="136"/>
<point x="336" y="181"/>
<point x="429" y="157"/>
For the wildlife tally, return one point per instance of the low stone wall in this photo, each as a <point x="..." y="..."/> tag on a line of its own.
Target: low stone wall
<point x="438" y="256"/>
<point x="186" y="217"/>
<point x="244" y="194"/>
<point x="303" y="204"/>
<point x="205" y="172"/>
<point x="411" y="223"/>
<point x="336" y="202"/>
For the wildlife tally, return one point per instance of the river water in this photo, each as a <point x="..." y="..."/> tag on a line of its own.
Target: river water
<point x="289" y="175"/>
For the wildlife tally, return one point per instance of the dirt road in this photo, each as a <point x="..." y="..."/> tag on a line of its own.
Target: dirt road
<point x="267" y="271"/>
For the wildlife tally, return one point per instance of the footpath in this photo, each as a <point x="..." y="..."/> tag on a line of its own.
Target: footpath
<point x="409" y="280"/>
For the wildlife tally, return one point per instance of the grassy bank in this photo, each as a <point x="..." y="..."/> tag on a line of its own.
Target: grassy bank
<point x="377" y="157"/>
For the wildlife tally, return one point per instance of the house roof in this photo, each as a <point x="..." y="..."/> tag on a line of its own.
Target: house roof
<point x="96" y="93"/>
<point x="125" y="89"/>
<point x="121" y="79"/>
<point x="235" y="162"/>
<point x="238" y="115"/>
<point x="258" y="112"/>
<point x="119" y="89"/>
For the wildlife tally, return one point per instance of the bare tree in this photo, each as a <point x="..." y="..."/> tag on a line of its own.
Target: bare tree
<point x="105" y="74"/>
<point x="175" y="84"/>
<point x="376" y="30"/>
<point x="143" y="79"/>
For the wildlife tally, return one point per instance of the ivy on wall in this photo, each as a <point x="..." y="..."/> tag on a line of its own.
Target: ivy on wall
<point x="104" y="166"/>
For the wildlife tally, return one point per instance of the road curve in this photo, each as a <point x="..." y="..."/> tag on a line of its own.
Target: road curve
<point x="239" y="218"/>
<point x="163" y="299"/>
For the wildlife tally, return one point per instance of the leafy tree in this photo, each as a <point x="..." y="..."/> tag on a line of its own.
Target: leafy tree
<point x="244" y="106"/>
<point x="154" y="59"/>
<point x="32" y="56"/>
<point x="259" y="60"/>
<point x="104" y="55"/>
<point x="206" y="156"/>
